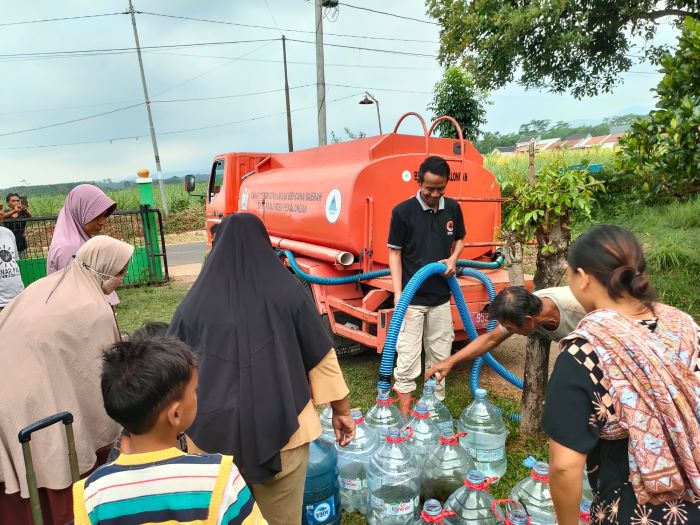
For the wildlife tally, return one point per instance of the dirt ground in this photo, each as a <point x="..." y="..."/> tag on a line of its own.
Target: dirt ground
<point x="510" y="354"/>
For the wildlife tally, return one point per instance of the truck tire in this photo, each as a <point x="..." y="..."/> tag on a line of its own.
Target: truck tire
<point x="343" y="347"/>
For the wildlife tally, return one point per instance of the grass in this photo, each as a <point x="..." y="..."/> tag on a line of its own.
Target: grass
<point x="139" y="305"/>
<point x="670" y="235"/>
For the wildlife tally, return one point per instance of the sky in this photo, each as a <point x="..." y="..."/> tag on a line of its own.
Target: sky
<point x="243" y="81"/>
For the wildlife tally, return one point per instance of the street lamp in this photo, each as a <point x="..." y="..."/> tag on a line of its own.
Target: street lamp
<point x="369" y="99"/>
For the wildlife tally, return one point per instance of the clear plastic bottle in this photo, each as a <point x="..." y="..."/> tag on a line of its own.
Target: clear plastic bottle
<point x="321" y="494"/>
<point x="486" y="435"/>
<point x="534" y="495"/>
<point x="327" y="431"/>
<point x="425" y="433"/>
<point x="587" y="490"/>
<point x="393" y="480"/>
<point x="472" y="502"/>
<point x="383" y="415"/>
<point x="439" y="413"/>
<point x="433" y="513"/>
<point x="584" y="514"/>
<point x="353" y="460"/>
<point x="445" y="468"/>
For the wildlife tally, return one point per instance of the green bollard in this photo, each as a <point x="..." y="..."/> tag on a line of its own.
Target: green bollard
<point x="147" y="265"/>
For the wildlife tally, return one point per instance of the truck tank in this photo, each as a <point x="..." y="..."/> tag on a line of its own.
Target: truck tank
<point x="341" y="196"/>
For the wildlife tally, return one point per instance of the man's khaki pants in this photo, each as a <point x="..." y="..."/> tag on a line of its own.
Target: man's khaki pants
<point x="429" y="326"/>
<point x="280" y="499"/>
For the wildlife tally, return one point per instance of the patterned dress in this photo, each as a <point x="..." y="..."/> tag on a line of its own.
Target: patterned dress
<point x="578" y="381"/>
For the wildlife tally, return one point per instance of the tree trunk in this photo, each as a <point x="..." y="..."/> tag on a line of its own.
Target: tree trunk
<point x="552" y="250"/>
<point x="513" y="252"/>
<point x="536" y="374"/>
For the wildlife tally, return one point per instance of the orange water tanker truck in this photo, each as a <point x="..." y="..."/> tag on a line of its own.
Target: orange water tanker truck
<point x="329" y="208"/>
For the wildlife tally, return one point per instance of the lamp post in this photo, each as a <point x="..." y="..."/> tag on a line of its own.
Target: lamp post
<point x="369" y="99"/>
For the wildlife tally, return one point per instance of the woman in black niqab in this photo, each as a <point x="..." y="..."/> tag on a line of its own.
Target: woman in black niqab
<point x="257" y="335"/>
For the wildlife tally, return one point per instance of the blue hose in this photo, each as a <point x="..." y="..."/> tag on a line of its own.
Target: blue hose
<point x="387" y="363"/>
<point x="389" y="350"/>
<point x="356" y="278"/>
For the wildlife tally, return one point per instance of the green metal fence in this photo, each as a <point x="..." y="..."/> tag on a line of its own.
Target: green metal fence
<point x="143" y="229"/>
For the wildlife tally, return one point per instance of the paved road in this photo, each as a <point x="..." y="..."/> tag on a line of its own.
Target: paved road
<point x="189" y="253"/>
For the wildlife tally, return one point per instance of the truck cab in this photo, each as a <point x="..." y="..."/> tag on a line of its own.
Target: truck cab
<point x="227" y="172"/>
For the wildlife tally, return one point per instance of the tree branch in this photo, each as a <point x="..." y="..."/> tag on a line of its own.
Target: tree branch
<point x="653" y="15"/>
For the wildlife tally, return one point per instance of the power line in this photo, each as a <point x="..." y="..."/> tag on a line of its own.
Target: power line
<point x="382" y="89"/>
<point x="285" y="29"/>
<point x="88" y="117"/>
<point x="80" y="119"/>
<point x="132" y="49"/>
<point x="272" y="61"/>
<point x="273" y="17"/>
<point x="213" y="69"/>
<point x="137" y="137"/>
<point x="60" y="19"/>
<point x="237" y="95"/>
<point x="373" y="49"/>
<point x="389" y="14"/>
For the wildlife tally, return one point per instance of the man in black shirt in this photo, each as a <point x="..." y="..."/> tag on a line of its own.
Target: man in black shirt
<point x="424" y="229"/>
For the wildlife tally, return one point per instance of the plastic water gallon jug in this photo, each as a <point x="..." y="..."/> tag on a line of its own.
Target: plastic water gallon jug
<point x="587" y="490"/>
<point x="534" y="495"/>
<point x="584" y="514"/>
<point x="425" y="433"/>
<point x="439" y="413"/>
<point x="383" y="415"/>
<point x="321" y="495"/>
<point x="486" y="435"/>
<point x="353" y="460"/>
<point x="471" y="503"/>
<point x="433" y="513"/>
<point x="513" y="515"/>
<point x="327" y="432"/>
<point x="445" y="468"/>
<point x="393" y="481"/>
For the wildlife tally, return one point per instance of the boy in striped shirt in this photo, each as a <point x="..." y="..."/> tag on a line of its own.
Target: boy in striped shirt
<point x="149" y="387"/>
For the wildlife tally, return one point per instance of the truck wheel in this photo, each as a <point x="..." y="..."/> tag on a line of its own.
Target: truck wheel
<point x="343" y="347"/>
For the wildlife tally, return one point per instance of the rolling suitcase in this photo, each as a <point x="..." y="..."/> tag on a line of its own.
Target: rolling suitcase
<point x="25" y="436"/>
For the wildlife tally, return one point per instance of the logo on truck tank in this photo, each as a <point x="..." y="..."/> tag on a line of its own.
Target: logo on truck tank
<point x="333" y="205"/>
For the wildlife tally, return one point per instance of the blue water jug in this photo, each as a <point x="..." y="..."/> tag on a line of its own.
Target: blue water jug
<point x="321" y="490"/>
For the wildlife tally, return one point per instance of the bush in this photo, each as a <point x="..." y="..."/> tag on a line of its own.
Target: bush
<point x="660" y="155"/>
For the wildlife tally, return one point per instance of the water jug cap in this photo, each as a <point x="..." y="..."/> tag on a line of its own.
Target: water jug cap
<point x="394" y="437"/>
<point x="420" y="411"/>
<point x="480" y="393"/>
<point x="476" y="480"/>
<point x="585" y="511"/>
<point x="383" y="398"/>
<point x="529" y="462"/>
<point x="434" y="513"/>
<point x="540" y="472"/>
<point x="449" y="437"/>
<point x="429" y="387"/>
<point x="357" y="417"/>
<point x="516" y="516"/>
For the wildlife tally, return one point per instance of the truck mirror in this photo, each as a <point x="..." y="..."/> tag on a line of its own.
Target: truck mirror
<point x="189" y="183"/>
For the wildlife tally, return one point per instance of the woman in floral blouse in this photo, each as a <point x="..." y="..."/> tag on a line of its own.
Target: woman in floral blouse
<point x="624" y="396"/>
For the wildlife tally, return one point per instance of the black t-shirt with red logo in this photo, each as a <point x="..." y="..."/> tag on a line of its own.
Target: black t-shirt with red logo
<point x="425" y="236"/>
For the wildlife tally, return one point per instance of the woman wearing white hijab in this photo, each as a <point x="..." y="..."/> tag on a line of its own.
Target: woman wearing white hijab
<point x="63" y="322"/>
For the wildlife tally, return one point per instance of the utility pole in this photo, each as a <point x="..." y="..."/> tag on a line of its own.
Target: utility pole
<point x="290" y="140"/>
<point x="150" y="117"/>
<point x="320" y="77"/>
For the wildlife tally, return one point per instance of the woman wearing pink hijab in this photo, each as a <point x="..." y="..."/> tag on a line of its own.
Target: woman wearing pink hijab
<point x="83" y="216"/>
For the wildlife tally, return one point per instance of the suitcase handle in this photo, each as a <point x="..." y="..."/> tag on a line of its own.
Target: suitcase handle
<point x="25" y="435"/>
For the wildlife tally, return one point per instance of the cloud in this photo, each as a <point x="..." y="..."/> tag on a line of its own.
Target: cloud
<point x="41" y="92"/>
